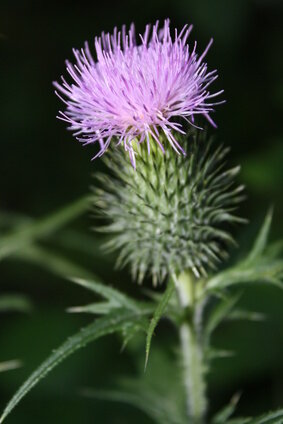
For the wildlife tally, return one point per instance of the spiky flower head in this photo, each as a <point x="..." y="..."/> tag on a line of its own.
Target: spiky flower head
<point x="171" y="213"/>
<point x="137" y="91"/>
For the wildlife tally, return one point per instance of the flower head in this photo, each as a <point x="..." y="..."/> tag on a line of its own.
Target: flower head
<point x="135" y="92"/>
<point x="172" y="213"/>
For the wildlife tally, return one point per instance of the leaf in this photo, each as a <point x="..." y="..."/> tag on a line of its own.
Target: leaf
<point x="275" y="417"/>
<point x="100" y="327"/>
<point x="150" y="403"/>
<point x="222" y="416"/>
<point x="164" y="403"/>
<point x="63" y="267"/>
<point x="262" y="238"/>
<point x="112" y="295"/>
<point x="14" y="303"/>
<point x="261" y="265"/>
<point x="10" y="365"/>
<point x="20" y="238"/>
<point x="219" y="313"/>
<point x="66" y="238"/>
<point x="159" y="311"/>
<point x="131" y="329"/>
<point x="125" y="397"/>
<point x="265" y="270"/>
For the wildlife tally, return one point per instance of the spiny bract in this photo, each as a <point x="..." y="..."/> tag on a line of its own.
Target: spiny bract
<point x="168" y="214"/>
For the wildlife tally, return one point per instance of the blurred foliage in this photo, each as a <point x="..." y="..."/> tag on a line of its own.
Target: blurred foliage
<point x="43" y="168"/>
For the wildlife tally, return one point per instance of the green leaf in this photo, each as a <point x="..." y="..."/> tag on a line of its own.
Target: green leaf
<point x="149" y="408"/>
<point x="275" y="417"/>
<point x="225" y="413"/>
<point x="67" y="238"/>
<point x="22" y="237"/>
<point x="261" y="265"/>
<point x="14" y="303"/>
<point x="164" y="403"/>
<point x="131" y="329"/>
<point x="262" y="238"/>
<point x="10" y="365"/>
<point x="63" y="267"/>
<point x="158" y="313"/>
<point x="264" y="270"/>
<point x="101" y="327"/>
<point x="219" y="313"/>
<point x="149" y="402"/>
<point x="112" y="295"/>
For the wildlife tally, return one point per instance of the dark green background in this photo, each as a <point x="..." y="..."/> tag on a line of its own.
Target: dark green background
<point x="42" y="168"/>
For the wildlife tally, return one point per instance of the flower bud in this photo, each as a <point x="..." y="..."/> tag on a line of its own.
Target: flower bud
<point x="171" y="213"/>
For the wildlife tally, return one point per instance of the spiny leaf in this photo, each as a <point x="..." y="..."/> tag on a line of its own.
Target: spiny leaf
<point x="22" y="237"/>
<point x="222" y="416"/>
<point x="159" y="311"/>
<point x="124" y="397"/>
<point x="113" y="295"/>
<point x="168" y="400"/>
<point x="262" y="238"/>
<point x="67" y="238"/>
<point x="15" y="303"/>
<point x="101" y="327"/>
<point x="115" y="298"/>
<point x="262" y="270"/>
<point x="131" y="329"/>
<point x="275" y="417"/>
<point x="219" y="313"/>
<point x="261" y="265"/>
<point x="150" y="403"/>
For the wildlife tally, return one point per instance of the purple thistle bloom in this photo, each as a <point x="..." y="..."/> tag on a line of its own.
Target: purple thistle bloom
<point x="136" y="92"/>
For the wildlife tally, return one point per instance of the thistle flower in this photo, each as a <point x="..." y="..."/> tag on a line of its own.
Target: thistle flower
<point x="171" y="213"/>
<point x="137" y="92"/>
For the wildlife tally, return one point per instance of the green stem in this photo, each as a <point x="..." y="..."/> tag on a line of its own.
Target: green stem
<point x="192" y="354"/>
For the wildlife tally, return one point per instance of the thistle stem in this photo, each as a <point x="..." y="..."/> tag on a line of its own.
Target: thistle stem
<point x="192" y="352"/>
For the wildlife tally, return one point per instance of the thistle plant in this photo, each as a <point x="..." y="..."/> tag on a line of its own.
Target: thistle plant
<point x="168" y="204"/>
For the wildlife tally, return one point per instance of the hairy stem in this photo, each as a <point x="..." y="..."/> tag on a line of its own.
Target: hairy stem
<point x="192" y="354"/>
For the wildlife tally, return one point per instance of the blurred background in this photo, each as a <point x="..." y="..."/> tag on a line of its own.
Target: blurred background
<point x="43" y="168"/>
